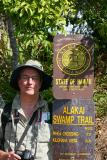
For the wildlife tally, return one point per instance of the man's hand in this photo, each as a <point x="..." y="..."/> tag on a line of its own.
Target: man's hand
<point x="9" y="156"/>
<point x="13" y="156"/>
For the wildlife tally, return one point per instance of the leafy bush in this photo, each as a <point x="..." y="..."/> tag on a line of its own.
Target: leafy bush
<point x="100" y="96"/>
<point x="100" y="99"/>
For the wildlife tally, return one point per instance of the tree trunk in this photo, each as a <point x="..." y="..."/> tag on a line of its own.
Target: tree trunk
<point x="12" y="42"/>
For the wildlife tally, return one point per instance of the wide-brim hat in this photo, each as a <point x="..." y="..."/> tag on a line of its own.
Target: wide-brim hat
<point x="46" y="79"/>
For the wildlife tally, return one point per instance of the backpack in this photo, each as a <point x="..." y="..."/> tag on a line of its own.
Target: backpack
<point x="5" y="118"/>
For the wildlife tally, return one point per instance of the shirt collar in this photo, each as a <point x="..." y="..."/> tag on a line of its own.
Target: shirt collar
<point x="16" y="102"/>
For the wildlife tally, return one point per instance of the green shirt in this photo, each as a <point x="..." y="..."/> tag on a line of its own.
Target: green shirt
<point x="38" y="137"/>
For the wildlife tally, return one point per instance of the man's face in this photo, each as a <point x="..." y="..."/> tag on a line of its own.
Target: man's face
<point x="29" y="81"/>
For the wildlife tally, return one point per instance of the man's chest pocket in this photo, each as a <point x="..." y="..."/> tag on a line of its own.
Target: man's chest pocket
<point x="44" y="132"/>
<point x="9" y="132"/>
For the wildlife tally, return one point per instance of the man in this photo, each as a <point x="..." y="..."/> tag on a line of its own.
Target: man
<point x="29" y="80"/>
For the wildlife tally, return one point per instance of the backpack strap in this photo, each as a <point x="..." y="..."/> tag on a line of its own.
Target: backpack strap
<point x="50" y="110"/>
<point x="26" y="130"/>
<point x="5" y="118"/>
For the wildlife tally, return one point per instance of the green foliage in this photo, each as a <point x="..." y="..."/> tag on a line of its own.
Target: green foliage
<point x="100" y="96"/>
<point x="36" y="22"/>
<point x="47" y="94"/>
<point x="94" y="14"/>
<point x="100" y="99"/>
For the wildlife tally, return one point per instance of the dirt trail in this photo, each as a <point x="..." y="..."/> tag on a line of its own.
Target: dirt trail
<point x="101" y="139"/>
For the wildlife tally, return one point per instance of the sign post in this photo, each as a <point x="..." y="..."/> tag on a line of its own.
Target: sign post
<point x="73" y="108"/>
